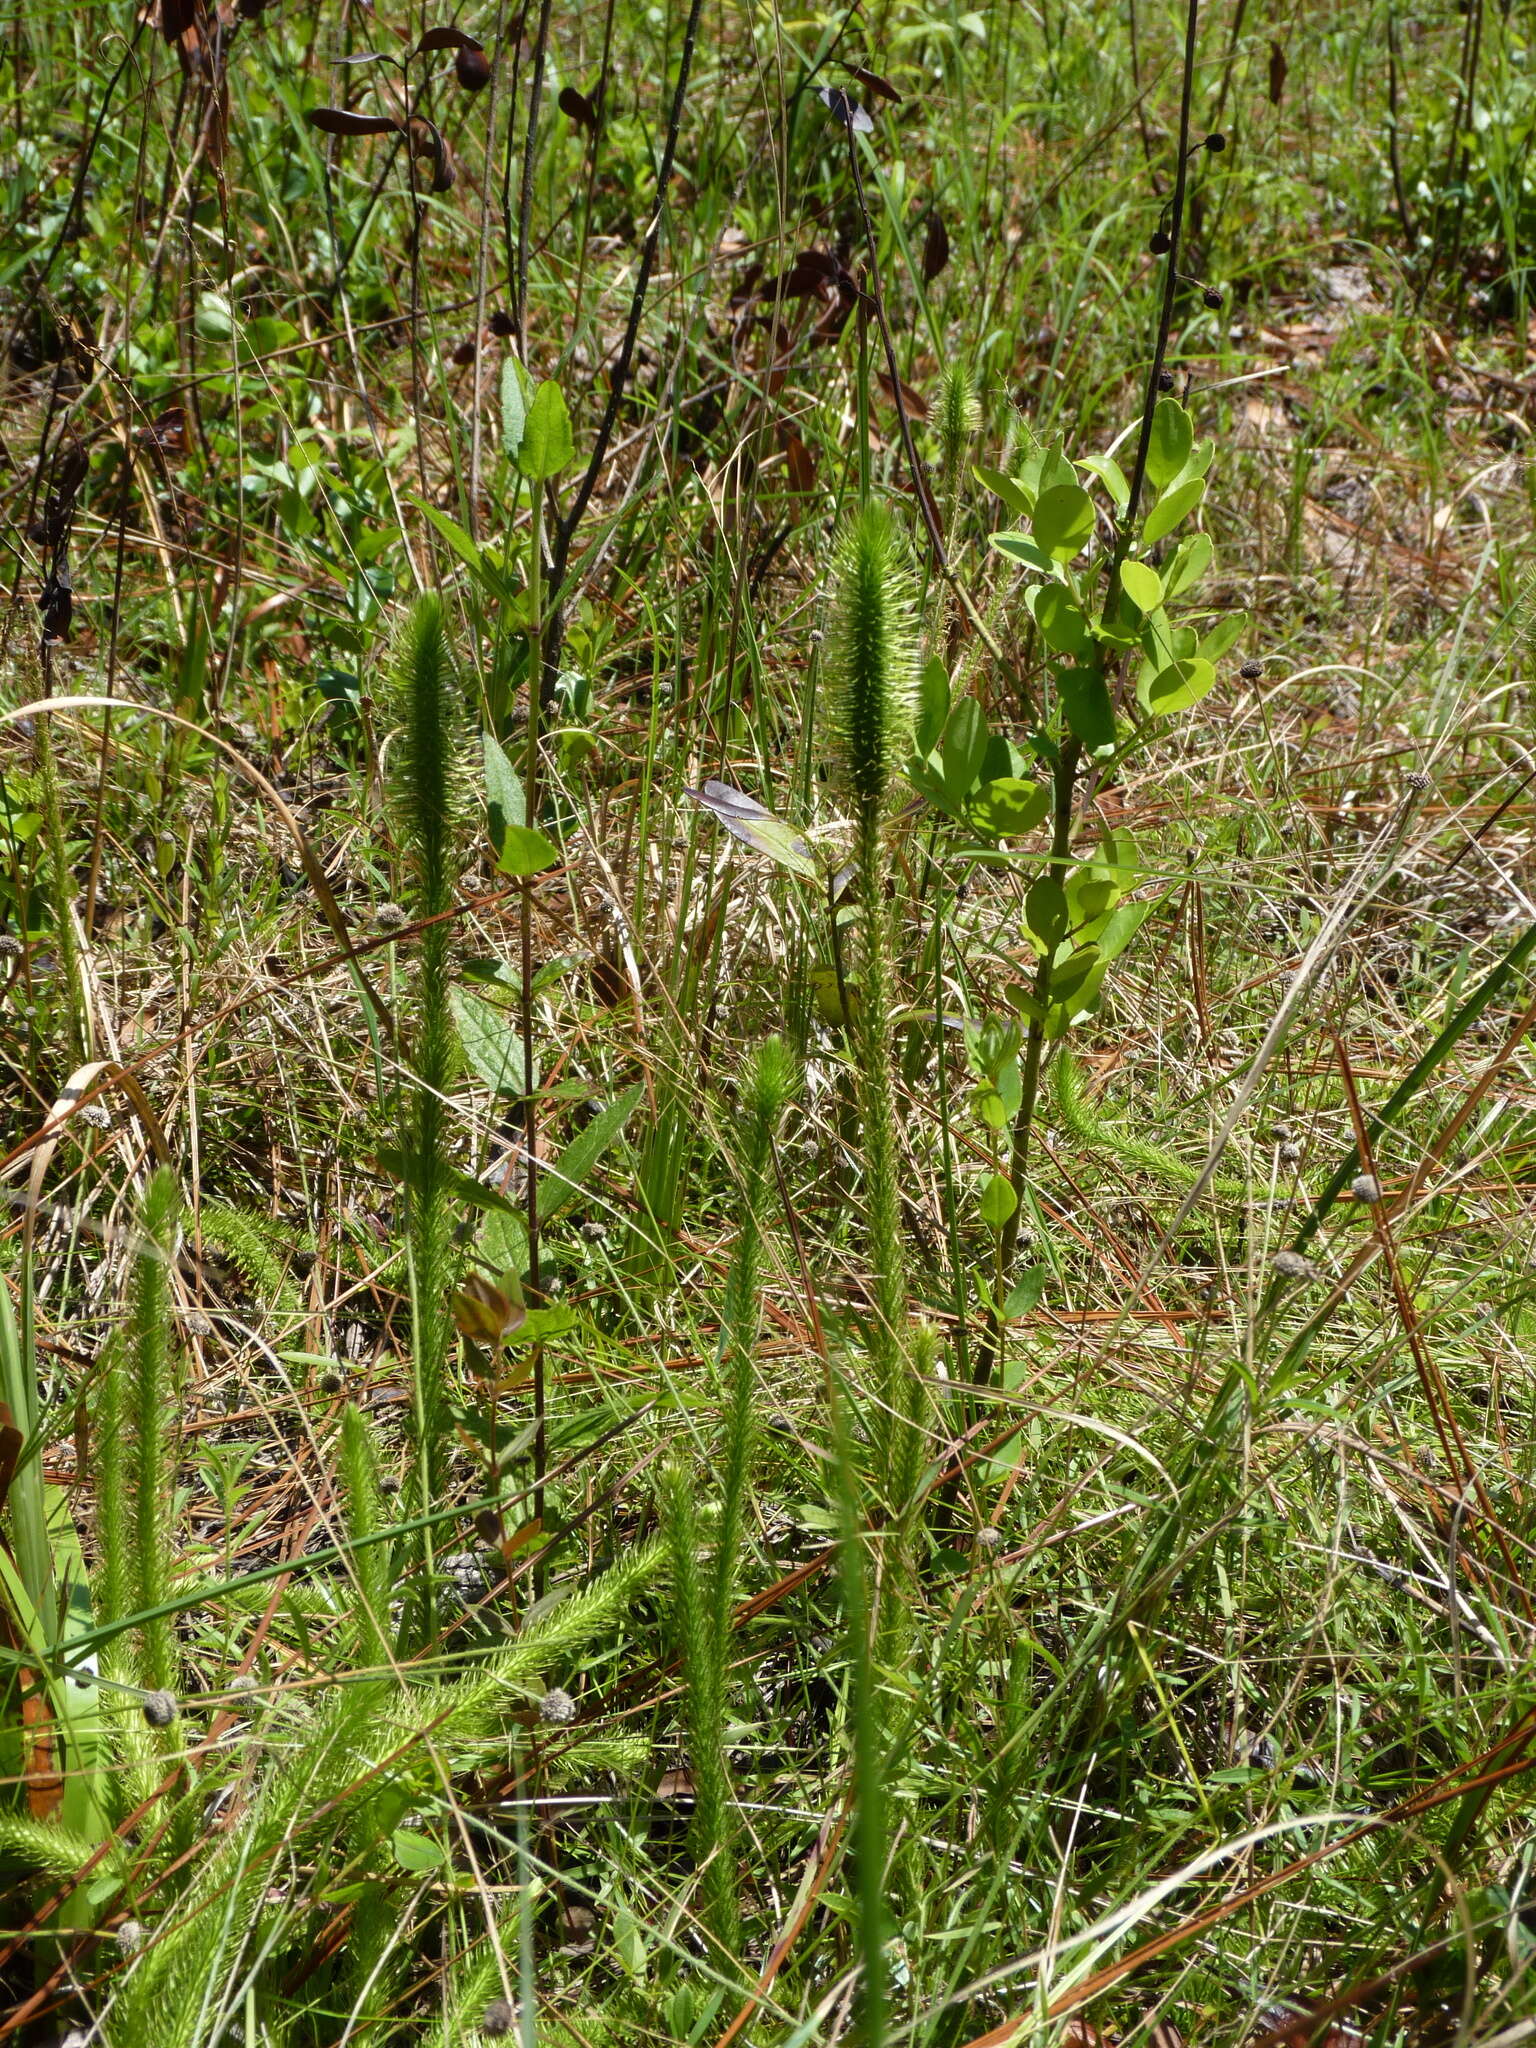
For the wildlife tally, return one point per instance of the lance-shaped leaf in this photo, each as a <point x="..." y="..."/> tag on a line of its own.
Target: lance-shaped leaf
<point x="746" y="819"/>
<point x="341" y="121"/>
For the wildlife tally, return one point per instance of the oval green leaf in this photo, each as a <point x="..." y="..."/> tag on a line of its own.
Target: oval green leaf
<point x="1193" y="558"/>
<point x="1142" y="585"/>
<point x="1167" y="512"/>
<point x="1008" y="806"/>
<point x="998" y="1201"/>
<point x="1061" y="622"/>
<point x="1045" y="912"/>
<point x="1221" y="636"/>
<point x="1179" y="685"/>
<point x="1063" y="521"/>
<point x="1022" y="549"/>
<point x="1173" y="435"/>
<point x="1085" y="699"/>
<point x="547" y="447"/>
<point x="1013" y="494"/>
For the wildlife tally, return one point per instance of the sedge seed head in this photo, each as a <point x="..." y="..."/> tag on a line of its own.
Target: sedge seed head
<point x="1293" y="1265"/>
<point x="874" y="651"/>
<point x="160" y="1708"/>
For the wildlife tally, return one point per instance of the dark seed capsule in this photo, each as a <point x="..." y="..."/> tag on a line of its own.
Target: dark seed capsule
<point x="465" y="354"/>
<point x="1215" y="144"/>
<point x="1161" y="242"/>
<point x="502" y="326"/>
<point x="160" y="1708"/>
<point x="1251" y="671"/>
<point x="1213" y="298"/>
<point x="1165" y="380"/>
<point x="472" y="68"/>
<point x="498" y="2019"/>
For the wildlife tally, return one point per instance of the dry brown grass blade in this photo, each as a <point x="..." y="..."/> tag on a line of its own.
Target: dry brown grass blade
<point x="1437" y="1396"/>
<point x="825" y="1862"/>
<point x="330" y="909"/>
<point x="1453" y="1785"/>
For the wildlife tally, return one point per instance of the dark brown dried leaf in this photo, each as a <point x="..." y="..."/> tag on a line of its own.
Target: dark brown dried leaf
<point x="447" y="38"/>
<point x="428" y="145"/>
<point x="472" y="68"/>
<point x="176" y="17"/>
<point x="913" y="403"/>
<point x="799" y="462"/>
<point x="341" y="121"/>
<point x="1278" y="68"/>
<point x="871" y="81"/>
<point x="935" y="248"/>
<point x="578" y="108"/>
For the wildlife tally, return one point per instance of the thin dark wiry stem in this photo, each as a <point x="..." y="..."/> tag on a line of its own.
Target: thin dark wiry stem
<point x="621" y="368"/>
<point x="877" y="296"/>
<point x="1165" y="319"/>
<point x="1064" y="780"/>
<point x="525" y="194"/>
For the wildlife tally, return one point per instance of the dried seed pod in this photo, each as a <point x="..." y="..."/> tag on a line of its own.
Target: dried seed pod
<point x="1293" y="1266"/>
<point x="472" y="68"/>
<point x="1251" y="671"/>
<point x="160" y="1709"/>
<point x="1161" y="242"/>
<point x="557" y="1708"/>
<point x="1365" y="1187"/>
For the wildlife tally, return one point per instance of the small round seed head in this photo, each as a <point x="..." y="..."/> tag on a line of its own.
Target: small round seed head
<point x="1365" y="1187"/>
<point x="1215" y="144"/>
<point x="498" y="2019"/>
<point x="389" y="917"/>
<point x="1165" y="380"/>
<point x="196" y="1324"/>
<point x="10" y="948"/>
<point x="1251" y="671"/>
<point x="1417" y="782"/>
<point x="95" y="1116"/>
<point x="1292" y="1265"/>
<point x="129" y="1936"/>
<point x="502" y="325"/>
<point x="557" y="1708"/>
<point x="1290" y="1153"/>
<point x="1160" y="242"/>
<point x="329" y="1381"/>
<point x="243" y="1681"/>
<point x="160" y="1708"/>
<point x="989" y="1538"/>
<point x="1213" y="298"/>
